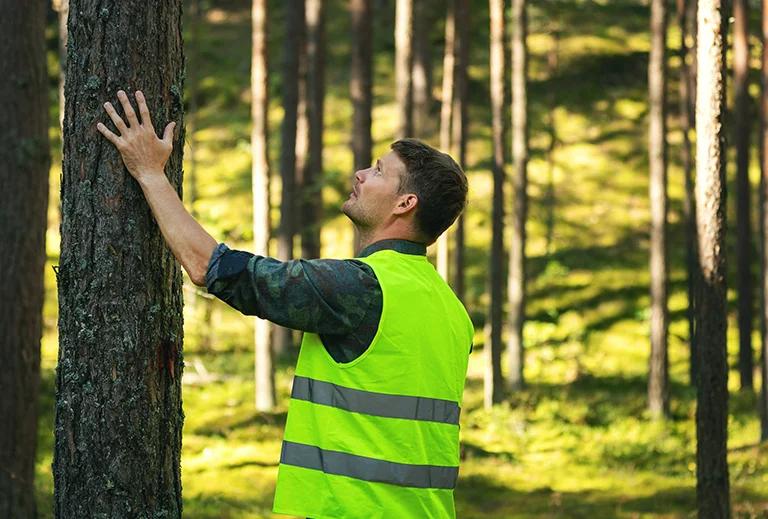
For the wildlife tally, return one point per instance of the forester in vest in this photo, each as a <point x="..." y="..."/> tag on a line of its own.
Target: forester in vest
<point x="373" y="421"/>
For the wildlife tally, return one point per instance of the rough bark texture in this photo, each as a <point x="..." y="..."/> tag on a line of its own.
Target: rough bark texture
<point x="712" y="489"/>
<point x="312" y="198"/>
<point x="515" y="347"/>
<point x="422" y="70"/>
<point x="689" y="207"/>
<point x="118" y="415"/>
<point x="658" y="372"/>
<point x="360" y="86"/>
<point x="449" y="64"/>
<point x="264" y="368"/>
<point x="25" y="159"/>
<point x="403" y="67"/>
<point x="764" y="227"/>
<point x="459" y="128"/>
<point x="494" y="382"/>
<point x="743" y="191"/>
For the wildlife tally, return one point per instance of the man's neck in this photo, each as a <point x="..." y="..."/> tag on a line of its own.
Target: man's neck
<point x="369" y="237"/>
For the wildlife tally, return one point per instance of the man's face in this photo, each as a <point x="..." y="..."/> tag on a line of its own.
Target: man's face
<point x="374" y="195"/>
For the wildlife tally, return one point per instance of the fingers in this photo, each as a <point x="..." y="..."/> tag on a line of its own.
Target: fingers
<point x="111" y="137"/>
<point x="127" y="108"/>
<point x="146" y="120"/>
<point x="119" y="123"/>
<point x="168" y="133"/>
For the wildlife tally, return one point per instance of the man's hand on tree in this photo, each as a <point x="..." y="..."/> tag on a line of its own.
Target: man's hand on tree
<point x="144" y="154"/>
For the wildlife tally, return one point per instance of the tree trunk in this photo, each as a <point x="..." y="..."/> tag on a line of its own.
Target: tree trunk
<point x="302" y="140"/>
<point x="712" y="489"/>
<point x="764" y="227"/>
<point x="403" y="67"/>
<point x="312" y="207"/>
<point x="658" y="372"/>
<point x="196" y="13"/>
<point x="422" y="70"/>
<point x="689" y="203"/>
<point x="24" y="154"/>
<point x="264" y="367"/>
<point x="449" y="64"/>
<point x="515" y="347"/>
<point x="743" y="191"/>
<point x="290" y="100"/>
<point x="494" y="383"/>
<point x="552" y="64"/>
<point x="459" y="129"/>
<point x="118" y="400"/>
<point x="63" y="9"/>
<point x="360" y="87"/>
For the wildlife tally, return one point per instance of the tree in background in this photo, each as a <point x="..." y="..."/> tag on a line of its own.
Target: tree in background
<point x="62" y="7"/>
<point x="403" y="67"/>
<point x="494" y="383"/>
<point x="422" y="69"/>
<point x="449" y="64"/>
<point x="459" y="128"/>
<point x="312" y="197"/>
<point x="360" y="87"/>
<point x="292" y="44"/>
<point x="764" y="226"/>
<point x="264" y="368"/>
<point x="25" y="159"/>
<point x="118" y="418"/>
<point x="658" y="373"/>
<point x="743" y="190"/>
<point x="712" y="489"/>
<point x="687" y="111"/>
<point x="517" y="277"/>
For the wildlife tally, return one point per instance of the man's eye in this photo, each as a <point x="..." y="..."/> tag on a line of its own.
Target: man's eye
<point x="377" y="172"/>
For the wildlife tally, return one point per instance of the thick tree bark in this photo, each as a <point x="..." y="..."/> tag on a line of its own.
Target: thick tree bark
<point x="118" y="400"/>
<point x="422" y="70"/>
<point x="689" y="203"/>
<point x="403" y="67"/>
<point x="743" y="191"/>
<point x="449" y="65"/>
<point x="515" y="347"/>
<point x="312" y="207"/>
<point x="25" y="159"/>
<point x="459" y="129"/>
<point x="264" y="367"/>
<point x="712" y="489"/>
<point x="764" y="227"/>
<point x="360" y="87"/>
<point x="658" y="372"/>
<point x="290" y="100"/>
<point x="494" y="382"/>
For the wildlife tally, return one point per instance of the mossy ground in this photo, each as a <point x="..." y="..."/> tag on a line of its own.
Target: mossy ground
<point x="577" y="442"/>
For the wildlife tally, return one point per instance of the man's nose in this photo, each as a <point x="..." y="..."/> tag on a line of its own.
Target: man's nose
<point x="361" y="175"/>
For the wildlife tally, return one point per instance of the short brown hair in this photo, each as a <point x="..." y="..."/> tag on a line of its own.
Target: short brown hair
<point x="439" y="183"/>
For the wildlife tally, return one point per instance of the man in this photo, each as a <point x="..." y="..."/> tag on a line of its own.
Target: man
<point x="373" y="423"/>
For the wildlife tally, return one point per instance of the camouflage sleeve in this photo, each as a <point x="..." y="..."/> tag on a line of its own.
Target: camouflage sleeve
<point x="316" y="296"/>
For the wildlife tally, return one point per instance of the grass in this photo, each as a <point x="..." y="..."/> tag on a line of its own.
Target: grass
<point x="577" y="442"/>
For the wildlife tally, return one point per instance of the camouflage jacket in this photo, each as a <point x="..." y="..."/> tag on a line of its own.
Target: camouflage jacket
<point x="341" y="300"/>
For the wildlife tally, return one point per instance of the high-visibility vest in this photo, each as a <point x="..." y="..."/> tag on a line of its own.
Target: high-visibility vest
<point x="378" y="437"/>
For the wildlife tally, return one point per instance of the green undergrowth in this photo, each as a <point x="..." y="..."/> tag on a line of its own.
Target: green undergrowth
<point x="577" y="442"/>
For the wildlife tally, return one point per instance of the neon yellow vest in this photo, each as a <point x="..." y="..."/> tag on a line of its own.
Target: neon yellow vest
<point x="378" y="438"/>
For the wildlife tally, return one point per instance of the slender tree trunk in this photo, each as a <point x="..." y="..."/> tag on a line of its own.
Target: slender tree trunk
<point x="118" y="415"/>
<point x="449" y="64"/>
<point x="196" y="14"/>
<point x="743" y="191"/>
<point x="360" y="87"/>
<point x="264" y="367"/>
<point x="422" y="70"/>
<point x="302" y="141"/>
<point x="712" y="489"/>
<point x="25" y="159"/>
<point x="552" y="74"/>
<point x="290" y="100"/>
<point x="494" y="382"/>
<point x="764" y="226"/>
<point x="459" y="129"/>
<point x="403" y="67"/>
<point x="689" y="203"/>
<point x="658" y="373"/>
<point x="693" y="20"/>
<point x="515" y="347"/>
<point x="63" y="9"/>
<point x="312" y="209"/>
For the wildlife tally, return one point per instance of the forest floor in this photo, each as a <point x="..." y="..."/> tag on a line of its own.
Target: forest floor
<point x="577" y="442"/>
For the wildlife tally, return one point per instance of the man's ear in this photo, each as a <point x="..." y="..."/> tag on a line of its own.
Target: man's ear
<point x="406" y="203"/>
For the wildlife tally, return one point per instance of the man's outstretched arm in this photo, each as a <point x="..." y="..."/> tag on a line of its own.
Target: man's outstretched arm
<point x="145" y="155"/>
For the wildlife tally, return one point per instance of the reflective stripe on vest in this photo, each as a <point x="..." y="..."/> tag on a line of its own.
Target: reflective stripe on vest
<point x="368" y="469"/>
<point x="376" y="404"/>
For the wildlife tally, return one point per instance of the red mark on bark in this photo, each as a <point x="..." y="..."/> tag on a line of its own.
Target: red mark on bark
<point x="166" y="354"/>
